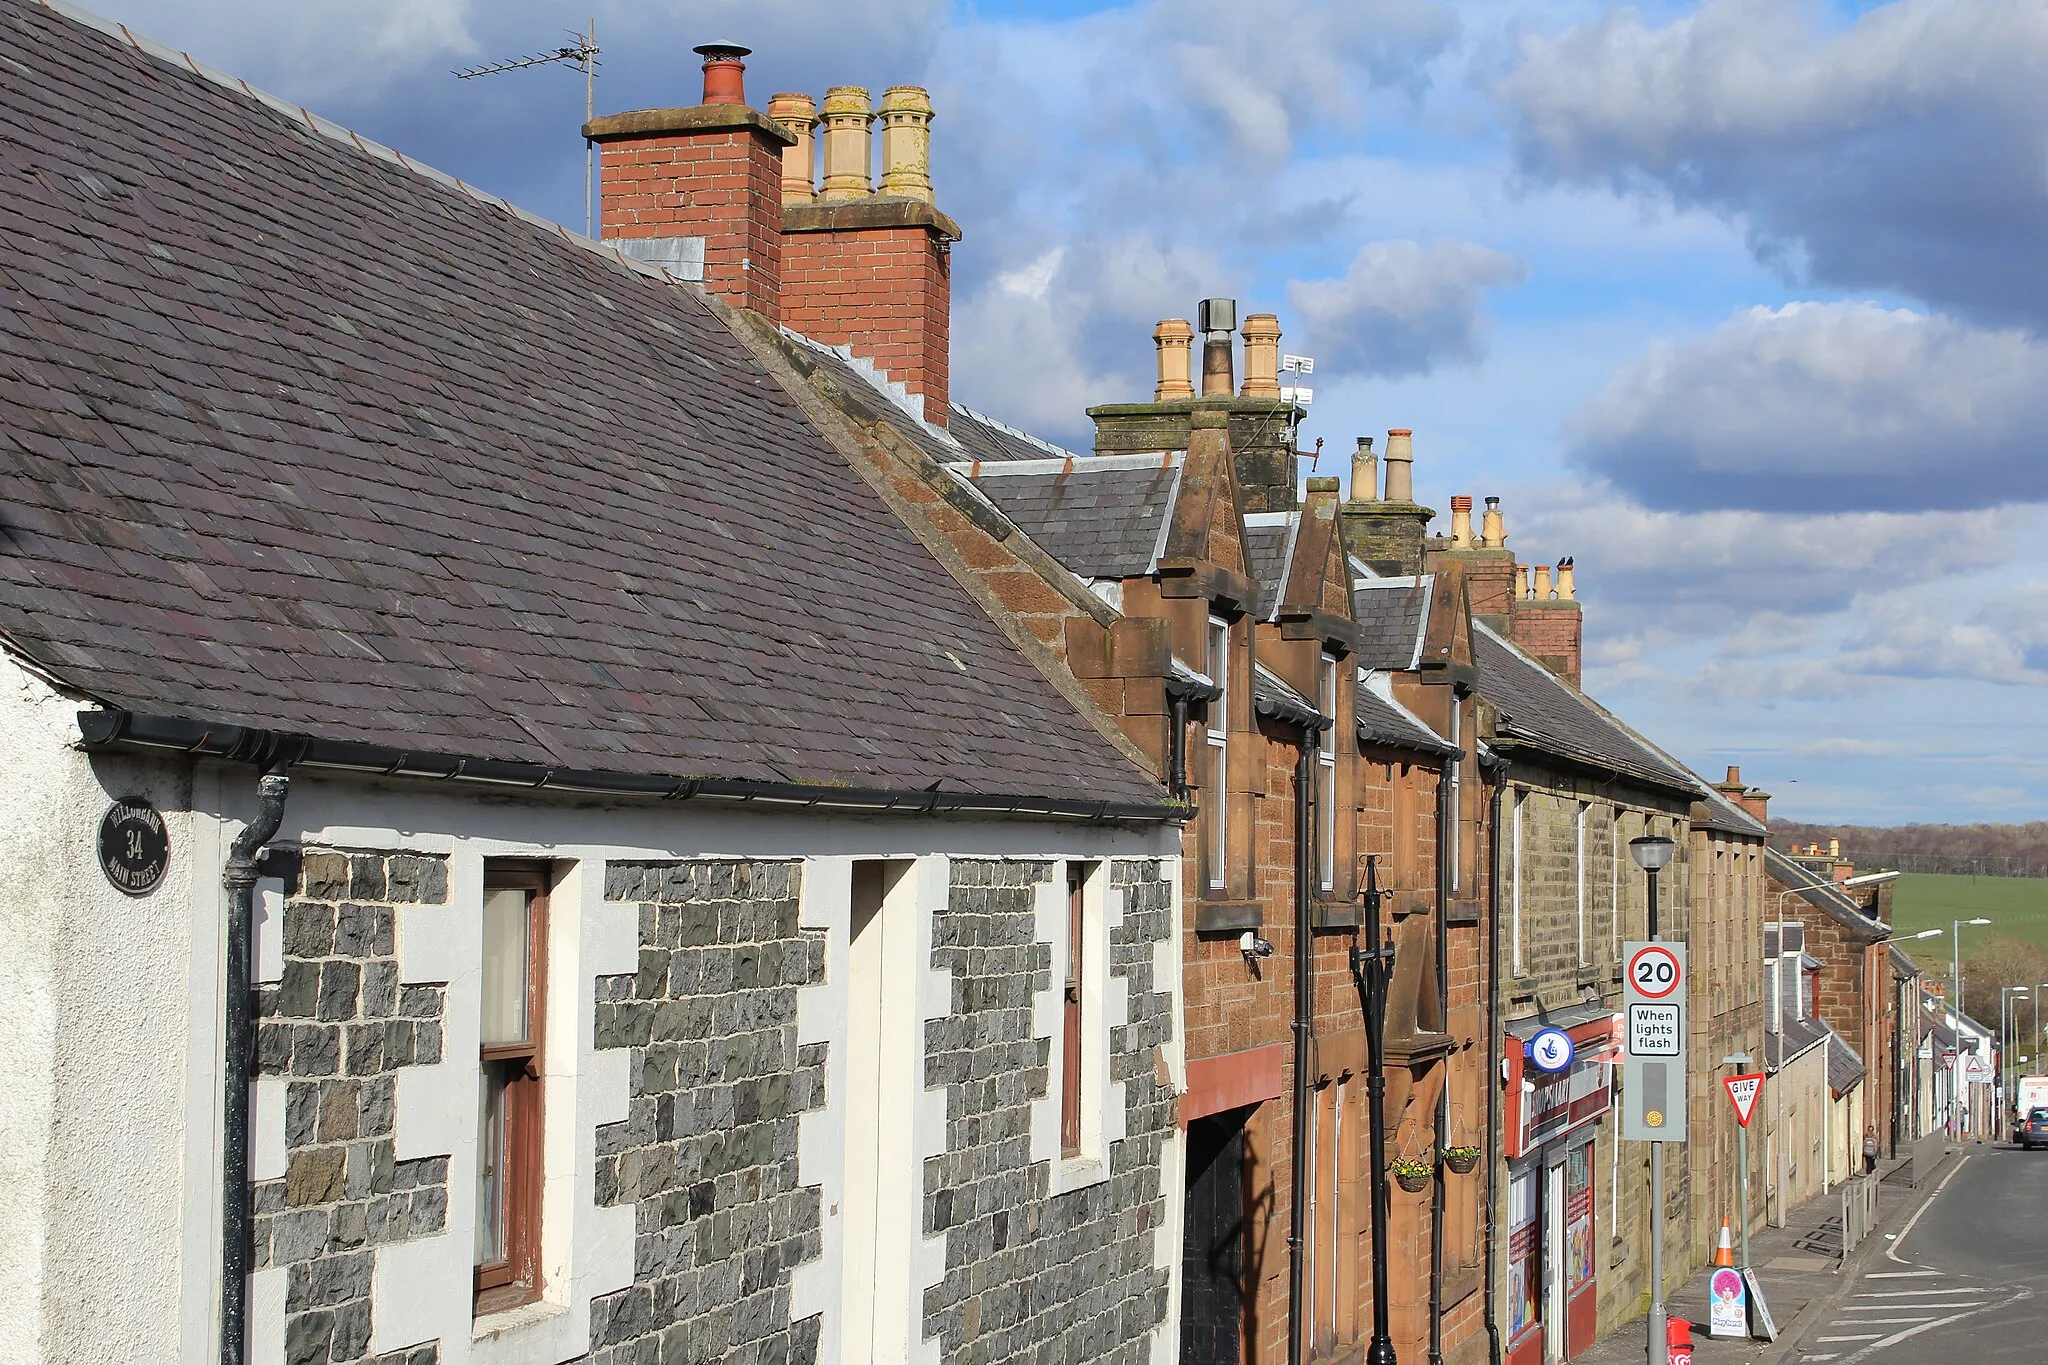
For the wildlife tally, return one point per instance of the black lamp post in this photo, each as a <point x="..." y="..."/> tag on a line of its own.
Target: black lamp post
<point x="1372" y="968"/>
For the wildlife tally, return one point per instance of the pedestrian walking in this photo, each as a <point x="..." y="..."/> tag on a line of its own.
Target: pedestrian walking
<point x="1870" y="1151"/>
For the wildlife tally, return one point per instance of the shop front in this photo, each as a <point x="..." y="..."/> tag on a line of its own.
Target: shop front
<point x="1551" y="1120"/>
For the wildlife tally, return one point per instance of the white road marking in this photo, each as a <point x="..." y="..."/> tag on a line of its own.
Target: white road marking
<point x="1877" y="1322"/>
<point x="1866" y="1336"/>
<point x="1892" y="1251"/>
<point x="1829" y="1356"/>
<point x="1902" y="1274"/>
<point x="1929" y="1308"/>
<point x="1865" y="1352"/>
<point x="1919" y="1293"/>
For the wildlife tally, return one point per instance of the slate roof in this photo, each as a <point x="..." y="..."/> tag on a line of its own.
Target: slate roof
<point x="1822" y="894"/>
<point x="1393" y="614"/>
<point x="1794" y="1039"/>
<point x="984" y="438"/>
<point x="1274" y="699"/>
<point x="1269" y="554"/>
<point x="297" y="436"/>
<point x="1845" y="1067"/>
<point x="1384" y="721"/>
<point x="1541" y="711"/>
<point x="1103" y="516"/>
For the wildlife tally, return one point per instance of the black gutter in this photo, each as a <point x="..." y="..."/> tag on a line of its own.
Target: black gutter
<point x="1498" y="1140"/>
<point x="1304" y="1013"/>
<point x="1445" y="814"/>
<point x="103" y="729"/>
<point x="238" y="1215"/>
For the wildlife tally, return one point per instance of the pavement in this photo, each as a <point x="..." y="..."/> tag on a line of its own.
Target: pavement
<point x="1801" y="1270"/>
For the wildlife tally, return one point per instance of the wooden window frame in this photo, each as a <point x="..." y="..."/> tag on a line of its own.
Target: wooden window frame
<point x="1074" y="1018"/>
<point x="516" y="1279"/>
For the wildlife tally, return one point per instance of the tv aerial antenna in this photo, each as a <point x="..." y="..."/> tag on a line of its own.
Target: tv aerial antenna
<point x="582" y="53"/>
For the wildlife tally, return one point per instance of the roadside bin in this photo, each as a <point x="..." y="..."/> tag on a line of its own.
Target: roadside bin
<point x="1678" y="1336"/>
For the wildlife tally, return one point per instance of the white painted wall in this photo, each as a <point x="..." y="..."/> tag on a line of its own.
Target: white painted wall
<point x="95" y="999"/>
<point x="109" y="1085"/>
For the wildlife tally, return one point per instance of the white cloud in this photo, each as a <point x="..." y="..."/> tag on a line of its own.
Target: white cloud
<point x="1903" y="151"/>
<point x="1843" y="746"/>
<point x="1838" y="405"/>
<point x="313" y="49"/>
<point x="1403" y="307"/>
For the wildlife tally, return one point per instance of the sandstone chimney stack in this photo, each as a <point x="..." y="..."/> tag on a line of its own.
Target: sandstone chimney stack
<point x="1174" y="340"/>
<point x="797" y="113"/>
<point x="1261" y="356"/>
<point x="906" y="116"/>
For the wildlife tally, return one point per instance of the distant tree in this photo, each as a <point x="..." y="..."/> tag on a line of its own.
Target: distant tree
<point x="1996" y="962"/>
<point x="1957" y="850"/>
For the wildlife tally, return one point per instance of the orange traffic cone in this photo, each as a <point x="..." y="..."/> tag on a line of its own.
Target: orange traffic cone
<point x="1724" y="1254"/>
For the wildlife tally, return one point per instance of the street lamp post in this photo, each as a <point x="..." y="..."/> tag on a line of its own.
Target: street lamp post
<point x="1372" y="968"/>
<point x="2005" y="1047"/>
<point x="1653" y="853"/>
<point x="1955" y="957"/>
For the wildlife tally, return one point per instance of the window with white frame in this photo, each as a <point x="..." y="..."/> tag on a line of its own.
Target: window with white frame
<point x="1515" y="871"/>
<point x="1579" y="875"/>
<point x="1216" y="798"/>
<point x="1326" y="775"/>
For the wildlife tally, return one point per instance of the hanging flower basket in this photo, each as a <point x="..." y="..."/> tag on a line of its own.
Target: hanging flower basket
<point x="1461" y="1160"/>
<point x="1410" y="1174"/>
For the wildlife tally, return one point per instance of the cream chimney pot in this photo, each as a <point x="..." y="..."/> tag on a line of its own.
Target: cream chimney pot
<point x="1542" y="582"/>
<point x="1521" y="582"/>
<point x="1261" y="356"/>
<point x="1834" y="848"/>
<point x="798" y="113"/>
<point x="1492" y="534"/>
<point x="1365" y="472"/>
<point x="906" y="116"/>
<point x="1567" y="584"/>
<point x="1173" y="337"/>
<point x="1461" y="522"/>
<point x="1400" y="465"/>
<point x="847" y="160"/>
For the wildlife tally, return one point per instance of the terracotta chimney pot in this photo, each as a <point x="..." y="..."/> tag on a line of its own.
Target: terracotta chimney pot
<point x="1400" y="465"/>
<point x="1261" y="356"/>
<point x="725" y="72"/>
<point x="1492" y="533"/>
<point x="1521" y="582"/>
<point x="1734" y="776"/>
<point x="1461" y="521"/>
<point x="906" y="117"/>
<point x="1567" y="581"/>
<point x="1365" y="472"/>
<point x="847" y="119"/>
<point x="1173" y="338"/>
<point x="798" y="113"/>
<point x="1542" y="582"/>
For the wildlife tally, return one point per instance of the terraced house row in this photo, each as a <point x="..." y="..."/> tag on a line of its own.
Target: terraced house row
<point x="569" y="804"/>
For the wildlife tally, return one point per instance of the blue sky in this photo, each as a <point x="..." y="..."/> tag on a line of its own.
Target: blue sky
<point x="1738" y="303"/>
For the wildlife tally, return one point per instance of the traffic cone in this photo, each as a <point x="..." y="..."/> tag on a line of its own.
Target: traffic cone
<point x="1724" y="1254"/>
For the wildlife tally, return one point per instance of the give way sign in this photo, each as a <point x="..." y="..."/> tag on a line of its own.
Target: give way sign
<point x="1743" y="1092"/>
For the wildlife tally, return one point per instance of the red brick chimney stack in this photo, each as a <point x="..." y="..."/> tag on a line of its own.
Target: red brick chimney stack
<point x="1754" y="801"/>
<point x="725" y="194"/>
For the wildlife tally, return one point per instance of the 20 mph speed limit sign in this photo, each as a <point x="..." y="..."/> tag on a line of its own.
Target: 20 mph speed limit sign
<point x="1655" y="971"/>
<point x="1653" y="1079"/>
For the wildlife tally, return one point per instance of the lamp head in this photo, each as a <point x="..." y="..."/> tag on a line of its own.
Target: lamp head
<point x="1979" y="920"/>
<point x="1652" y="852"/>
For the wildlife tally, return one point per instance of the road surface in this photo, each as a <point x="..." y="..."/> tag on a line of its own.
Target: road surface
<point x="1965" y="1282"/>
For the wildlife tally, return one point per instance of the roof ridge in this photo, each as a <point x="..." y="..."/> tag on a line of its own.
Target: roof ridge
<point x="348" y="137"/>
<point x="1020" y="434"/>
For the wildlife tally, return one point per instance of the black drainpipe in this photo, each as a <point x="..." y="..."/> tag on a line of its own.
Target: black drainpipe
<point x="1495" y="1139"/>
<point x="1304" y="1005"/>
<point x="1444" y="816"/>
<point x="237" y="1231"/>
<point x="1177" y="745"/>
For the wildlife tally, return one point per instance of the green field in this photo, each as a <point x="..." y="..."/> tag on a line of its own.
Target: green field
<point x="2016" y="906"/>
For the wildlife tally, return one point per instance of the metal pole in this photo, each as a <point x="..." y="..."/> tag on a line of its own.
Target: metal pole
<point x="1955" y="963"/>
<point x="1658" y="1351"/>
<point x="1742" y="1185"/>
<point x="1372" y="967"/>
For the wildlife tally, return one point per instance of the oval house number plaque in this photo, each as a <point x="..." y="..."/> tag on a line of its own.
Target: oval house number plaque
<point x="135" y="847"/>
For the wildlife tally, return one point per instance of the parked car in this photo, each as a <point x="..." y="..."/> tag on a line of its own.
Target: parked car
<point x="2034" y="1131"/>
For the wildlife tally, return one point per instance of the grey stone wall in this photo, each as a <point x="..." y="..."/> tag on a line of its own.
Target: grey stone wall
<point x="1030" y="1275"/>
<point x="338" y="1025"/>
<point x="708" y="1153"/>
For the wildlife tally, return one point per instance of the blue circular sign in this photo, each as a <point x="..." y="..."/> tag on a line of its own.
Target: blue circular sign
<point x="1551" y="1050"/>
